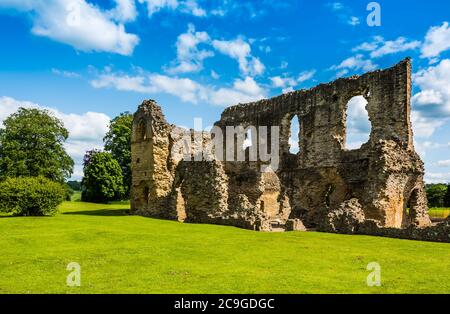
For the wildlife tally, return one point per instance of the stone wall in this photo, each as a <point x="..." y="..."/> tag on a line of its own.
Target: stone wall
<point x="383" y="178"/>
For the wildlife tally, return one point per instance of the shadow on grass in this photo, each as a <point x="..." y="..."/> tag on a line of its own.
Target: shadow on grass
<point x="101" y="212"/>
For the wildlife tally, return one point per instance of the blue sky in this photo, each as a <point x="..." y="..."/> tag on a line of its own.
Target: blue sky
<point x="88" y="61"/>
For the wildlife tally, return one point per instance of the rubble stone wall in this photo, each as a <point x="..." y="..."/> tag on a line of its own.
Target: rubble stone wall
<point x="323" y="186"/>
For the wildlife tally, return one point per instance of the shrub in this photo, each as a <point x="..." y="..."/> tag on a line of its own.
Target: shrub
<point x="30" y="196"/>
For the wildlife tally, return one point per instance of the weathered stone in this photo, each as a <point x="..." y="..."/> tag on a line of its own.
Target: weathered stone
<point x="295" y="225"/>
<point x="345" y="219"/>
<point x="322" y="181"/>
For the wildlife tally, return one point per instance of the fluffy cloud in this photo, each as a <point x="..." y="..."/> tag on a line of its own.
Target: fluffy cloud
<point x="432" y="177"/>
<point x="243" y="91"/>
<point x="379" y="47"/>
<point x="67" y="74"/>
<point x="189" y="57"/>
<point x="125" y="11"/>
<point x="344" y="13"/>
<point x="80" y="24"/>
<point x="431" y="106"/>
<point x="287" y="83"/>
<point x="186" y="6"/>
<point x="437" y="40"/>
<point x="240" y="50"/>
<point x="86" y="131"/>
<point x="187" y="90"/>
<point x="443" y="163"/>
<point x="355" y="63"/>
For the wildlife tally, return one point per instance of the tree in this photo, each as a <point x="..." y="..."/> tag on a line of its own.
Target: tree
<point x="118" y="143"/>
<point x="447" y="197"/>
<point x="103" y="179"/>
<point x="32" y="145"/>
<point x="74" y="185"/>
<point x="436" y="194"/>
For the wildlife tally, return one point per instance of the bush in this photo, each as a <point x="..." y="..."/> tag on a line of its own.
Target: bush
<point x="30" y="196"/>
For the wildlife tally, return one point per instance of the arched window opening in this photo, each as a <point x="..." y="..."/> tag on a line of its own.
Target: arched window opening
<point x="358" y="124"/>
<point x="294" y="138"/>
<point x="410" y="207"/>
<point x="141" y="132"/>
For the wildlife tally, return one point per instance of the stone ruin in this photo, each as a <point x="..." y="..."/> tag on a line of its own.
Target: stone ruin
<point x="376" y="189"/>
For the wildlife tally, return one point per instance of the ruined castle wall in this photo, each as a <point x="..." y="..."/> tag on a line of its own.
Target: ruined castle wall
<point x="379" y="180"/>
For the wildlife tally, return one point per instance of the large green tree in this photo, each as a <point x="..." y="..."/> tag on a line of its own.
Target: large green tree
<point x="118" y="143"/>
<point x="436" y="194"/>
<point x="32" y="144"/>
<point x="447" y="197"/>
<point x="103" y="179"/>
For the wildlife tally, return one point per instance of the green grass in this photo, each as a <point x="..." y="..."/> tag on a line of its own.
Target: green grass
<point x="439" y="212"/>
<point x="119" y="253"/>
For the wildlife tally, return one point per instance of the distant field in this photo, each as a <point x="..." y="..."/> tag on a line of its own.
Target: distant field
<point x="119" y="253"/>
<point x="439" y="212"/>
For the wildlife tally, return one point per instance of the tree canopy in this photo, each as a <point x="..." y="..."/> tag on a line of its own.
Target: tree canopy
<point x="118" y="143"/>
<point x="103" y="180"/>
<point x="435" y="194"/>
<point x="447" y="197"/>
<point x="32" y="144"/>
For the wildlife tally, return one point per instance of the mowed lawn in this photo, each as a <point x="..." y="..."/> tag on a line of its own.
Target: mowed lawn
<point x="119" y="253"/>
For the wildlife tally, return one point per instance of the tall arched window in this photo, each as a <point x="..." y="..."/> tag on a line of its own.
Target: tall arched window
<point x="141" y="131"/>
<point x="358" y="124"/>
<point x="294" y="138"/>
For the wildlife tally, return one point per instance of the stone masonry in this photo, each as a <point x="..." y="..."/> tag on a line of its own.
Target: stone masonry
<point x="323" y="187"/>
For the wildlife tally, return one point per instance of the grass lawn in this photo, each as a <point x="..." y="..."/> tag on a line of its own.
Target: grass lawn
<point x="119" y="253"/>
<point x="439" y="212"/>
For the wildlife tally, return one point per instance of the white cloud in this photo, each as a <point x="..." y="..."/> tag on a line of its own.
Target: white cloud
<point x="437" y="40"/>
<point x="240" y="50"/>
<point x="189" y="57"/>
<point x="424" y="126"/>
<point x="379" y="47"/>
<point x="432" y="177"/>
<point x="443" y="163"/>
<point x="214" y="75"/>
<point x="344" y="13"/>
<point x="353" y="20"/>
<point x="287" y="90"/>
<point x="335" y="6"/>
<point x="287" y="83"/>
<point x="80" y="24"/>
<point x="187" y="90"/>
<point x="67" y="74"/>
<point x="125" y="11"/>
<point x="187" y="6"/>
<point x="86" y="131"/>
<point x="354" y="63"/>
<point x="305" y="76"/>
<point x="243" y="91"/>
<point x="431" y="105"/>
